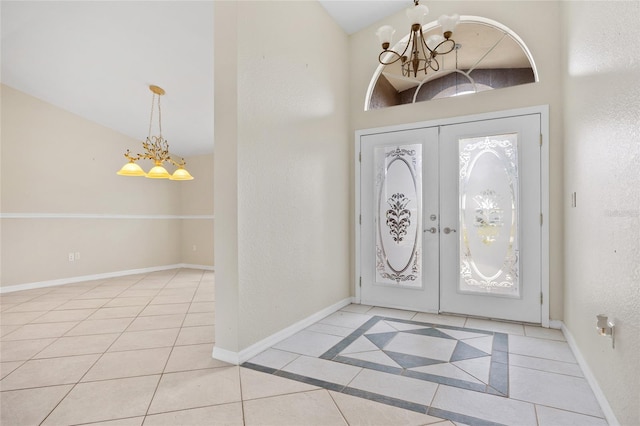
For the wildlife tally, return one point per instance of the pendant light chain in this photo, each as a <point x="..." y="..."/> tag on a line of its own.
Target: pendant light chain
<point x="153" y="99"/>
<point x="159" y="117"/>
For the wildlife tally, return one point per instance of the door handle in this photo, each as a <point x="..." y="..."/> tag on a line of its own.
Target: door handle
<point x="448" y="230"/>
<point x="433" y="230"/>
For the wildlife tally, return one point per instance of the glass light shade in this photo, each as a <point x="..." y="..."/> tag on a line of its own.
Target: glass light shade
<point x="448" y="23"/>
<point x="131" y="169"/>
<point x="385" y="34"/>
<point x="181" y="174"/>
<point x="158" y="172"/>
<point x="417" y="14"/>
<point x="434" y="40"/>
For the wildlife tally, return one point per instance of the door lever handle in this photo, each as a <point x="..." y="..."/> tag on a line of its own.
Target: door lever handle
<point x="448" y="230"/>
<point x="433" y="230"/>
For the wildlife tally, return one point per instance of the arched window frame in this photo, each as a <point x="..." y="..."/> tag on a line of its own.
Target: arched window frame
<point x="430" y="26"/>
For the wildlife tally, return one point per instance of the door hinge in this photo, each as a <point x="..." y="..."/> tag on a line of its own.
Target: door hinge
<point x="541" y="219"/>
<point x="360" y="282"/>
<point x="540" y="139"/>
<point x="360" y="220"/>
<point x="541" y="298"/>
<point x="360" y="156"/>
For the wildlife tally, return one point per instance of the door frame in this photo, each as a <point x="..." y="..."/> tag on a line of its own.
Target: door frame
<point x="543" y="110"/>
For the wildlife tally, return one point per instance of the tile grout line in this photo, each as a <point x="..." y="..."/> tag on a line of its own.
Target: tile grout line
<point x="79" y="380"/>
<point x="537" y="404"/>
<point x="172" y="347"/>
<point x="244" y="422"/>
<point x="338" y="407"/>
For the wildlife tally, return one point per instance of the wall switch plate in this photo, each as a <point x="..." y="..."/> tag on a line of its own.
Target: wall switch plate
<point x="71" y="257"/>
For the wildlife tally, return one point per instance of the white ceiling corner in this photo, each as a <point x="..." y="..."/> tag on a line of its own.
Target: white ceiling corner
<point x="355" y="15"/>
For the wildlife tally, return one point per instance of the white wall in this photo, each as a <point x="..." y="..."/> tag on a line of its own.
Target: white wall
<point x="602" y="158"/>
<point x="291" y="167"/>
<point x="526" y="18"/>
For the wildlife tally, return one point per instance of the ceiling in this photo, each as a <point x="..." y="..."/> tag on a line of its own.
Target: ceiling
<point x="97" y="59"/>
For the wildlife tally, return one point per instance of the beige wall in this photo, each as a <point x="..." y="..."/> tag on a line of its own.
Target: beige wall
<point x="196" y="201"/>
<point x="291" y="167"/>
<point x="602" y="249"/>
<point x="526" y="19"/>
<point x="56" y="163"/>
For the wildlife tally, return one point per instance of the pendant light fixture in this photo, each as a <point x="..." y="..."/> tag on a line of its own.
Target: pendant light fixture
<point x="156" y="149"/>
<point x="418" y="54"/>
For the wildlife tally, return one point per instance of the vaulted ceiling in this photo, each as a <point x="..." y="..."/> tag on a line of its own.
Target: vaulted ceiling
<point x="97" y="59"/>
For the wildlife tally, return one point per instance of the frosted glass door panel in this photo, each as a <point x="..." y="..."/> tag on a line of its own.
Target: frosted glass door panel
<point x="489" y="209"/>
<point x="398" y="207"/>
<point x="399" y="254"/>
<point x="490" y="205"/>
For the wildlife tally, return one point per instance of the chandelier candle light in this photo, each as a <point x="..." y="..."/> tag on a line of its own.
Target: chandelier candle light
<point x="423" y="53"/>
<point x="156" y="148"/>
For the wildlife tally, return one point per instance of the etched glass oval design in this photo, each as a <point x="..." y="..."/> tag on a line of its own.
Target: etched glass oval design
<point x="488" y="191"/>
<point x="398" y="214"/>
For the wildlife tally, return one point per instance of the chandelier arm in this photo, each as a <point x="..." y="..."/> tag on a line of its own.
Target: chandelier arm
<point x="431" y="57"/>
<point x="182" y="163"/>
<point x="393" y="52"/>
<point x="424" y="44"/>
<point x="435" y="68"/>
<point x="399" y="55"/>
<point x="453" y="46"/>
<point x="131" y="157"/>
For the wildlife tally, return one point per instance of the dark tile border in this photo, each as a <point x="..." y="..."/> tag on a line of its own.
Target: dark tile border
<point x="383" y="399"/>
<point x="498" y="372"/>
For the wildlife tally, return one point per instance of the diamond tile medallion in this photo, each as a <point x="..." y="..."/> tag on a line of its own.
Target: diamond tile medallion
<point x="455" y="356"/>
<point x="415" y="352"/>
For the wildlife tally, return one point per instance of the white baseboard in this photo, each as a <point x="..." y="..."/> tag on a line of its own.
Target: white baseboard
<point x="193" y="266"/>
<point x="225" y="355"/>
<point x="555" y="324"/>
<point x="93" y="277"/>
<point x="253" y="350"/>
<point x="595" y="387"/>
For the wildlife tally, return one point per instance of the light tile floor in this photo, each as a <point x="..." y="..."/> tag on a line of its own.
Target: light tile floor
<point x="466" y="370"/>
<point x="137" y="350"/>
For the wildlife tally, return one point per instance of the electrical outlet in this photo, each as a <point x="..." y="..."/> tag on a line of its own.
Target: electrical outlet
<point x="71" y="257"/>
<point x="77" y="255"/>
<point x="194" y="247"/>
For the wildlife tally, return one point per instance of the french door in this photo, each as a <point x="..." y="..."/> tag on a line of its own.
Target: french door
<point x="450" y="218"/>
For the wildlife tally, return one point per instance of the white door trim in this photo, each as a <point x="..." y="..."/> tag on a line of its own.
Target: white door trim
<point x="543" y="110"/>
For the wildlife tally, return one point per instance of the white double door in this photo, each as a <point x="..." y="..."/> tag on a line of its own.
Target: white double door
<point x="451" y="219"/>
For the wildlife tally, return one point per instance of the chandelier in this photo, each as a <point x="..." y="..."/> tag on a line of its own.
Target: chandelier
<point x="156" y="149"/>
<point x="418" y="54"/>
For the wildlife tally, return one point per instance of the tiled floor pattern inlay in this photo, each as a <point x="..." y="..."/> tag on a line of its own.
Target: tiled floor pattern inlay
<point x="461" y="357"/>
<point x="467" y="370"/>
<point x="136" y="350"/>
<point x="455" y="356"/>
